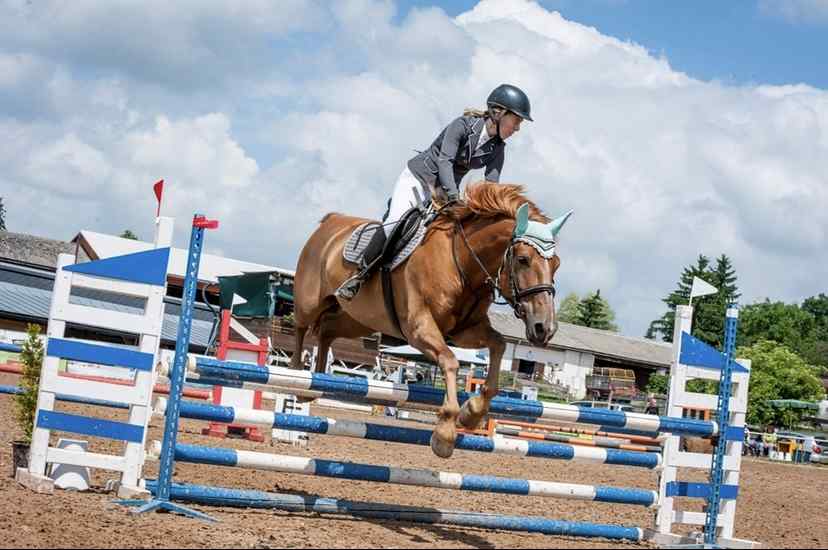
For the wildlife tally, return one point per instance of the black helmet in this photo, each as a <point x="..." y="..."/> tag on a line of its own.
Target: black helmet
<point x="512" y="99"/>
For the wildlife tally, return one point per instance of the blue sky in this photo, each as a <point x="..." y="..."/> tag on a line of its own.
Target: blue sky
<point x="736" y="41"/>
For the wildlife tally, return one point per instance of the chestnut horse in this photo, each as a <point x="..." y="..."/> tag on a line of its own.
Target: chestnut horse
<point x="442" y="292"/>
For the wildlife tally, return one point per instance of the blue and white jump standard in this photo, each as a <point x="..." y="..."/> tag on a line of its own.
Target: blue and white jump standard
<point x="139" y="276"/>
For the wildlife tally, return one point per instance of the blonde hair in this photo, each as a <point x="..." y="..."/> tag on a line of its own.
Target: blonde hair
<point x="492" y="112"/>
<point x="478" y="113"/>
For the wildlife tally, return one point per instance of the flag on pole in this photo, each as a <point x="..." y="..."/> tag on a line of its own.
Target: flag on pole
<point x="701" y="288"/>
<point x="237" y="301"/>
<point x="159" y="190"/>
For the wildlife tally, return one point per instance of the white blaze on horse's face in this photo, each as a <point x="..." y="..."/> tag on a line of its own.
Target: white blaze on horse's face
<point x="533" y="265"/>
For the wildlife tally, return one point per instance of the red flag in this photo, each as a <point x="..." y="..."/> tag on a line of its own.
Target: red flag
<point x="159" y="190"/>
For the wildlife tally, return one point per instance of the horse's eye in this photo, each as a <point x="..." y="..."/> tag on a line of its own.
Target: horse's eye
<point x="523" y="260"/>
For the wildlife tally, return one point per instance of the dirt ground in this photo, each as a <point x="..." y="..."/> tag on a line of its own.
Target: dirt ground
<point x="780" y="505"/>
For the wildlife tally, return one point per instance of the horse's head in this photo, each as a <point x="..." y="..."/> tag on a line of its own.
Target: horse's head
<point x="527" y="275"/>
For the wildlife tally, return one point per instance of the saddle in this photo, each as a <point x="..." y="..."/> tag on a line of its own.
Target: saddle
<point x="406" y="237"/>
<point x="400" y="244"/>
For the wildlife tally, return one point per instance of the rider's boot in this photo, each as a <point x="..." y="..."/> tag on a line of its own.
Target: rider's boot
<point x="370" y="257"/>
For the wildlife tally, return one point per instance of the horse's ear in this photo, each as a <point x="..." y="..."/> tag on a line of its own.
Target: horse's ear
<point x="556" y="224"/>
<point x="522" y="219"/>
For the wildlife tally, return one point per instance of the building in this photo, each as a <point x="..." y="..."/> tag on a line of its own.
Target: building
<point x="583" y="359"/>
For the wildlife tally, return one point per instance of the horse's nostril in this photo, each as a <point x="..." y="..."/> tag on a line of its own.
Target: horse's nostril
<point x="539" y="330"/>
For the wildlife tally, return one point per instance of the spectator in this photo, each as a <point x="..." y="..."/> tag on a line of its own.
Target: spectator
<point x="652" y="405"/>
<point x="758" y="446"/>
<point x="808" y="448"/>
<point x="770" y="441"/>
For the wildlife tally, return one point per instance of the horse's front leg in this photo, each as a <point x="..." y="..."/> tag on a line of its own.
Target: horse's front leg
<point x="427" y="338"/>
<point x="478" y="336"/>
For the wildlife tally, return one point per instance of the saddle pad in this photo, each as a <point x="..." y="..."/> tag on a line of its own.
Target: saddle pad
<point x="361" y="236"/>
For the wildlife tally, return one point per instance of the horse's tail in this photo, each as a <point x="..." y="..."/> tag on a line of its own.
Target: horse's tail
<point x="313" y="328"/>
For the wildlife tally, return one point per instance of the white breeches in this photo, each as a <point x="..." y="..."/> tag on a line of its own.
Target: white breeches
<point x="408" y="192"/>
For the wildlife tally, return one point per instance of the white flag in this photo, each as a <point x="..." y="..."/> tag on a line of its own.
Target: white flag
<point x="701" y="288"/>
<point x="238" y="300"/>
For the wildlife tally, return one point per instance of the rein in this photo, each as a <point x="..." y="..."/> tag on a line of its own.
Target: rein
<point x="508" y="257"/>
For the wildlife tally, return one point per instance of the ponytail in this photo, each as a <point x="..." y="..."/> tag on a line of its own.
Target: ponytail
<point x="477" y="113"/>
<point x="494" y="112"/>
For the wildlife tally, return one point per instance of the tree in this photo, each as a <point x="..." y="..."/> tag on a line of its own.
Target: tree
<point x="127" y="234"/>
<point x="818" y="307"/>
<point x="2" y="215"/>
<point x="658" y="384"/>
<point x="798" y="328"/>
<point x="568" y="310"/>
<point x="26" y="403"/>
<point x="595" y="312"/>
<point x="709" y="311"/>
<point x="777" y="373"/>
<point x="815" y="350"/>
<point x="663" y="326"/>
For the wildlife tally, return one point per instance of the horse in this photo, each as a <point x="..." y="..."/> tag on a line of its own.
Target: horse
<point x="442" y="292"/>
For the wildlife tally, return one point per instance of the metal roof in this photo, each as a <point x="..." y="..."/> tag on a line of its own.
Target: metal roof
<point x="601" y="343"/>
<point x="25" y="294"/>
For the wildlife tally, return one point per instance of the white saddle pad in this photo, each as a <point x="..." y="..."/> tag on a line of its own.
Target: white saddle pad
<point x="361" y="236"/>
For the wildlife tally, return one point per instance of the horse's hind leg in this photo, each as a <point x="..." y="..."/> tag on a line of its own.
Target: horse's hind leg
<point x="333" y="324"/>
<point x="299" y="342"/>
<point x="478" y="336"/>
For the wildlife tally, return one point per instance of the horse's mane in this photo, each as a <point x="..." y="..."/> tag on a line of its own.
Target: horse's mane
<point x="483" y="199"/>
<point x="486" y="199"/>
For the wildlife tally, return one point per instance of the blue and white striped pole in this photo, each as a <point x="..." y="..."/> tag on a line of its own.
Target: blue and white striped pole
<point x="414" y="436"/>
<point x="407" y="476"/>
<point x="232" y="373"/>
<point x="217" y="496"/>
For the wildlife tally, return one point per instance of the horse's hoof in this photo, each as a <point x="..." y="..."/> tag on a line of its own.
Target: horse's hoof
<point x="468" y="420"/>
<point x="441" y="448"/>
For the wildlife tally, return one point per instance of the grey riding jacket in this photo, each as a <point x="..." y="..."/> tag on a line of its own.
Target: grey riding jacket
<point x="453" y="154"/>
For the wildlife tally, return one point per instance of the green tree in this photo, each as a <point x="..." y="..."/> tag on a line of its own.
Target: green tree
<point x="568" y="310"/>
<point x="778" y="373"/>
<point x="786" y="324"/>
<point x="658" y="384"/>
<point x="26" y="403"/>
<point x="708" y="311"/>
<point x="2" y="215"/>
<point x="595" y="312"/>
<point x="815" y="350"/>
<point x="801" y="329"/>
<point x="127" y="234"/>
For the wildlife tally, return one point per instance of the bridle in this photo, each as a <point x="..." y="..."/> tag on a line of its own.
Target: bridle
<point x="517" y="294"/>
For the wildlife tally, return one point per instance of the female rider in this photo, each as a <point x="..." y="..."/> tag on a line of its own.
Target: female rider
<point x="472" y="141"/>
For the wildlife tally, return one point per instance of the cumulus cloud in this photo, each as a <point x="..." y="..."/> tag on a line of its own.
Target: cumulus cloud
<point x="797" y="11"/>
<point x="269" y="118"/>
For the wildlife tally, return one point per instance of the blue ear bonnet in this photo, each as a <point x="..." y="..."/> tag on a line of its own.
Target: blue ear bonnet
<point x="540" y="236"/>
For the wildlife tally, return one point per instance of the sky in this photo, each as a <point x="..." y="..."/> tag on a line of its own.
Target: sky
<point x="670" y="131"/>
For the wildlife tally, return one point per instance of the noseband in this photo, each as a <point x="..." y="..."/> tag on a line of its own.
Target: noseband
<point x="517" y="293"/>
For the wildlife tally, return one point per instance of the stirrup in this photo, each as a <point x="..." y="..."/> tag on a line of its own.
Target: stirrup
<point x="350" y="287"/>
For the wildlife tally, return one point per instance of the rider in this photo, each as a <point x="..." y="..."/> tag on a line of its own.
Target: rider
<point x="474" y="140"/>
